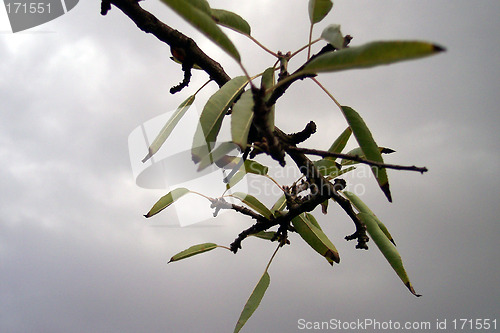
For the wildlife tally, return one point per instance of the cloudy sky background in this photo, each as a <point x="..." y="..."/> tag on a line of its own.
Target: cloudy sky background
<point x="77" y="255"/>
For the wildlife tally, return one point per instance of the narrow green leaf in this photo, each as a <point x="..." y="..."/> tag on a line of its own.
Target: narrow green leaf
<point x="326" y="166"/>
<point x="267" y="82"/>
<point x="212" y="115"/>
<point x="279" y="205"/>
<point x="318" y="9"/>
<point x="333" y="35"/>
<point x="253" y="203"/>
<point x="167" y="200"/>
<point x="315" y="237"/>
<point x="218" y="156"/>
<point x="363" y="208"/>
<point x="387" y="248"/>
<point x="267" y="235"/>
<point x="254" y="301"/>
<point x="249" y="166"/>
<point x="235" y="179"/>
<point x="312" y="219"/>
<point x="339" y="144"/>
<point x="335" y="174"/>
<point x="168" y="128"/>
<point x="255" y="167"/>
<point x="193" y="250"/>
<point x="231" y="20"/>
<point x="195" y="12"/>
<point x="359" y="153"/>
<point x="368" y="146"/>
<point x="371" y="54"/>
<point x="241" y="119"/>
<point x="202" y="5"/>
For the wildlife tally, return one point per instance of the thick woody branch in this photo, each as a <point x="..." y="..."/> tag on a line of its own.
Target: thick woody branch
<point x="148" y="23"/>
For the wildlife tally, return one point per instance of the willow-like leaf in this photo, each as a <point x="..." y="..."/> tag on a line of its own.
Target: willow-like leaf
<point x="387" y="248"/>
<point x="370" y="55"/>
<point x="339" y="144"/>
<point x="253" y="302"/>
<point x="267" y="235"/>
<point x="368" y="146"/>
<point x="193" y="250"/>
<point x="167" y="200"/>
<point x="359" y="153"/>
<point x="168" y="127"/>
<point x="231" y="20"/>
<point x="363" y="208"/>
<point x="315" y="237"/>
<point x="253" y="203"/>
<point x="267" y="82"/>
<point x="241" y="119"/>
<point x="212" y="115"/>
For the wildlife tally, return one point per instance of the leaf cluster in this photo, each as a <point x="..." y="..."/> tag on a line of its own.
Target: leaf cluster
<point x="251" y="108"/>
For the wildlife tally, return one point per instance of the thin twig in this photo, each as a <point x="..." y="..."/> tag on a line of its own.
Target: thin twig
<point x="356" y="158"/>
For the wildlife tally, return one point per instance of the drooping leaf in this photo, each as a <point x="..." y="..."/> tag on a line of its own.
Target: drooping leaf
<point x="371" y="54"/>
<point x="359" y="153"/>
<point x="333" y="35"/>
<point x="167" y="200"/>
<point x="212" y="115"/>
<point x="387" y="248"/>
<point x="253" y="203"/>
<point x="231" y="20"/>
<point x="316" y="238"/>
<point x="253" y="302"/>
<point x="363" y="208"/>
<point x="169" y="126"/>
<point x="267" y="82"/>
<point x="197" y="14"/>
<point x="368" y="146"/>
<point x="241" y="119"/>
<point x="193" y="250"/>
<point x="310" y="217"/>
<point x="318" y="9"/>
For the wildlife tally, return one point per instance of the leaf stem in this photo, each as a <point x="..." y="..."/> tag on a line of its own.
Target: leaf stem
<point x="272" y="257"/>
<point x="327" y="92"/>
<point x="309" y="44"/>
<point x="262" y="46"/>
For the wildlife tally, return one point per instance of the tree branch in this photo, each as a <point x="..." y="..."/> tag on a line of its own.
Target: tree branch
<point x="356" y="158"/>
<point x="148" y="23"/>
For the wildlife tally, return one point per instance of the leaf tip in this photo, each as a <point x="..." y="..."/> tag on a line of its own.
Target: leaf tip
<point x="148" y="156"/>
<point x="438" y="48"/>
<point x="410" y="288"/>
<point x="387" y="191"/>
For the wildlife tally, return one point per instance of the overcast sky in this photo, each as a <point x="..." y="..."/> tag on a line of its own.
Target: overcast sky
<point x="76" y="254"/>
